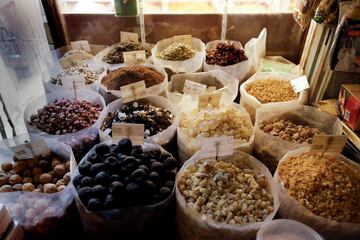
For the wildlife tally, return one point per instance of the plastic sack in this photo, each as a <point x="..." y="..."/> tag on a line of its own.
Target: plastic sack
<point x="112" y="224"/>
<point x="304" y="11"/>
<point x="82" y="141"/>
<point x="279" y="64"/>
<point x="165" y="138"/>
<point x="188" y="146"/>
<point x="194" y="64"/>
<point x="257" y="46"/>
<point x="190" y="224"/>
<point x="251" y="103"/>
<point x="222" y="81"/>
<point x="51" y="87"/>
<point x="239" y="70"/>
<point x="292" y="209"/>
<point x="60" y="52"/>
<point x="159" y="89"/>
<point x="271" y="149"/>
<point x="49" y="210"/>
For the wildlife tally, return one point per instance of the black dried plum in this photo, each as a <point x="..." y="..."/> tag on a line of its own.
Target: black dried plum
<point x="169" y="175"/>
<point x="132" y="189"/>
<point x="145" y="168"/>
<point x="96" y="168"/>
<point x="169" y="184"/>
<point x="170" y="163"/>
<point x="109" y="202"/>
<point x="114" y="177"/>
<point x="102" y="178"/>
<point x="84" y="168"/>
<point x="157" y="167"/>
<point x="138" y="175"/>
<point x="102" y="149"/>
<point x="164" y="192"/>
<point x="99" y="191"/>
<point x="129" y="160"/>
<point x="117" y="188"/>
<point x="85" y="194"/>
<point x="93" y="158"/>
<point x="114" y="149"/>
<point x="94" y="204"/>
<point x="154" y="153"/>
<point x="111" y="162"/>
<point x="155" y="177"/>
<point x="164" y="156"/>
<point x="125" y="146"/>
<point x="150" y="186"/>
<point x="77" y="180"/>
<point x="87" y="182"/>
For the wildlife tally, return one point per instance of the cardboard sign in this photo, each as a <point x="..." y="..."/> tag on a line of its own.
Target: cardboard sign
<point x="328" y="143"/>
<point x="74" y="60"/>
<point x="31" y="149"/>
<point x="191" y="87"/>
<point x="212" y="99"/>
<point x="81" y="45"/>
<point x="73" y="82"/>
<point x="134" y="57"/>
<point x="135" y="132"/>
<point x="300" y="84"/>
<point x="186" y="39"/>
<point x="134" y="91"/>
<point x="128" y="37"/>
<point x="217" y="147"/>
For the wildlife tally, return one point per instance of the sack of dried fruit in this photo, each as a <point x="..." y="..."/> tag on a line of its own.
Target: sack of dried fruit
<point x="283" y="127"/>
<point x="155" y="78"/>
<point x="270" y="87"/>
<point x="36" y="189"/>
<point x="230" y="57"/>
<point x="195" y="125"/>
<point x="228" y="198"/>
<point x="92" y="73"/>
<point x="120" y="189"/>
<point x="322" y="191"/>
<point x="215" y="81"/>
<point x="70" y="117"/>
<point x="158" y="115"/>
<point x="179" y="57"/>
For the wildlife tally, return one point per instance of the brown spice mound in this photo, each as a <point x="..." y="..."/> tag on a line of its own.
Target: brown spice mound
<point x="127" y="75"/>
<point x="327" y="186"/>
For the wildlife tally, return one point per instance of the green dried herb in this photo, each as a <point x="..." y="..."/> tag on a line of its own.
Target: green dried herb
<point x="177" y="52"/>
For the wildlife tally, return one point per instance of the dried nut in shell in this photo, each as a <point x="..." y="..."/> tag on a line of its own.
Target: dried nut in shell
<point x="37" y="179"/>
<point x="4" y="179"/>
<point x="52" y="173"/>
<point x="27" y="180"/>
<point x="67" y="178"/>
<point x="50" y="188"/>
<point x="26" y="173"/>
<point x="14" y="179"/>
<point x="55" y="179"/>
<point x="60" y="170"/>
<point x="40" y="186"/>
<point x="36" y="171"/>
<point x="7" y="166"/>
<point x="55" y="162"/>
<point x="28" y="187"/>
<point x="60" y="188"/>
<point x="19" y="166"/>
<point x="67" y="165"/>
<point x="45" y="178"/>
<point x="37" y="190"/>
<point x="6" y="188"/>
<point x="31" y="163"/>
<point x="60" y="182"/>
<point x="17" y="187"/>
<point x="43" y="164"/>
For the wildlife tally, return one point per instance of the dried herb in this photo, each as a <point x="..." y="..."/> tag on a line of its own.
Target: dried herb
<point x="177" y="52"/>
<point x="115" y="56"/>
<point x="89" y="75"/>
<point x="225" y="54"/>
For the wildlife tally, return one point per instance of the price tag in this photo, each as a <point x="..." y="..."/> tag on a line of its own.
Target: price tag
<point x="134" y="91"/>
<point x="217" y="147"/>
<point x="328" y="143"/>
<point x="134" y="57"/>
<point x="73" y="82"/>
<point x="191" y="87"/>
<point x="135" y="132"/>
<point x="213" y="99"/>
<point x="81" y="45"/>
<point x="74" y="60"/>
<point x="187" y="39"/>
<point x="29" y="150"/>
<point x="300" y="84"/>
<point x="128" y="37"/>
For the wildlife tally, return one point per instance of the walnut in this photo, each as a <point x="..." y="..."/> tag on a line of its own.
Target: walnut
<point x="50" y="188"/>
<point x="6" y="188"/>
<point x="45" y="178"/>
<point x="60" y="170"/>
<point x="27" y="180"/>
<point x="14" y="179"/>
<point x="6" y="167"/>
<point x="4" y="179"/>
<point x="17" y="187"/>
<point x="36" y="171"/>
<point x="31" y="163"/>
<point x="28" y="187"/>
<point x="19" y="166"/>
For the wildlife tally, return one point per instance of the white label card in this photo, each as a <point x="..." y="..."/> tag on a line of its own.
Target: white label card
<point x="81" y="45"/>
<point x="134" y="57"/>
<point x="134" y="91"/>
<point x="217" y="147"/>
<point x="187" y="39"/>
<point x="73" y="82"/>
<point x="300" y="84"/>
<point x="212" y="99"/>
<point x="135" y="132"/>
<point x="191" y="87"/>
<point x="128" y="37"/>
<point x="74" y="60"/>
<point x="328" y="143"/>
<point x="31" y="149"/>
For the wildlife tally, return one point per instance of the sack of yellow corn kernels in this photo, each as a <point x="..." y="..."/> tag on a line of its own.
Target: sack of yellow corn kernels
<point x="269" y="87"/>
<point x="215" y="199"/>
<point x="322" y="191"/>
<point x="283" y="127"/>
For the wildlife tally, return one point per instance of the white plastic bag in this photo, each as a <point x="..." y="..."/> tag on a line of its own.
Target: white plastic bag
<point x="292" y="209"/>
<point x="222" y="81"/>
<point x="159" y="89"/>
<point x="271" y="149"/>
<point x="251" y="103"/>
<point x="165" y="138"/>
<point x="239" y="70"/>
<point x="81" y="141"/>
<point x="190" y="224"/>
<point x="53" y="207"/>
<point x="194" y="64"/>
<point x="257" y="46"/>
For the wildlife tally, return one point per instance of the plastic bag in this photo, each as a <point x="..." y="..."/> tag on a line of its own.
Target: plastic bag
<point x="239" y="70"/>
<point x="279" y="64"/>
<point x="48" y="209"/>
<point x="159" y="89"/>
<point x="112" y="224"/>
<point x="222" y="81"/>
<point x="257" y="46"/>
<point x="292" y="209"/>
<point x="251" y="103"/>
<point x="165" y="138"/>
<point x="271" y="149"/>
<point x="190" y="224"/>
<point x="60" y="52"/>
<point x="188" y="146"/>
<point x="82" y="141"/>
<point x="194" y="64"/>
<point x="304" y="11"/>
